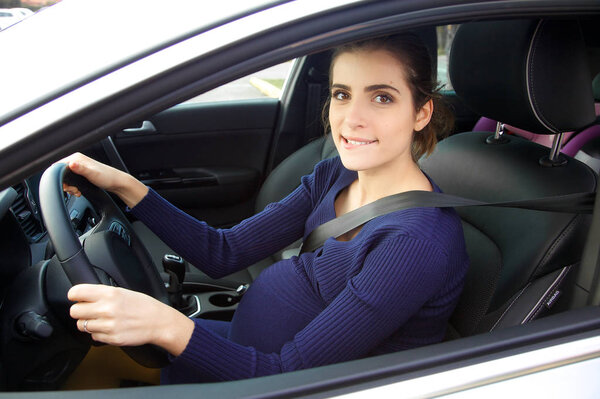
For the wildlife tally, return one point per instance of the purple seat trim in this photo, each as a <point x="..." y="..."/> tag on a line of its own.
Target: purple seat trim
<point x="489" y="125"/>
<point x="575" y="144"/>
<point x="485" y="125"/>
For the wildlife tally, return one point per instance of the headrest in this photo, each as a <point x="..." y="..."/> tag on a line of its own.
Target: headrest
<point x="532" y="74"/>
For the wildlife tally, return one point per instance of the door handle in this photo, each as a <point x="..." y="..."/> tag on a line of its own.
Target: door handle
<point x="146" y="128"/>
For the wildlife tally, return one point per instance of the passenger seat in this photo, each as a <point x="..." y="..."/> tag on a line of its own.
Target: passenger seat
<point x="519" y="258"/>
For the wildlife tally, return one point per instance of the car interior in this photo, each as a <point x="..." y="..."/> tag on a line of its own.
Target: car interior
<point x="524" y="99"/>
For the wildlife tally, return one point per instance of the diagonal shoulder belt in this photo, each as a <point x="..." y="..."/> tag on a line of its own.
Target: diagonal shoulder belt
<point x="569" y="203"/>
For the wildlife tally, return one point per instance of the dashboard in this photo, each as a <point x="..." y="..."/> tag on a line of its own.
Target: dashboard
<point x="36" y="332"/>
<point x="23" y="238"/>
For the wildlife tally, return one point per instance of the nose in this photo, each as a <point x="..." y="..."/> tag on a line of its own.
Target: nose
<point x="356" y="114"/>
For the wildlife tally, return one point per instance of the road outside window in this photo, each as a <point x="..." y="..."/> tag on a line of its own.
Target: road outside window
<point x="445" y="36"/>
<point x="266" y="83"/>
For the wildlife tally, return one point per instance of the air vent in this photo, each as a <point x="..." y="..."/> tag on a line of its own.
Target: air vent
<point x="25" y="210"/>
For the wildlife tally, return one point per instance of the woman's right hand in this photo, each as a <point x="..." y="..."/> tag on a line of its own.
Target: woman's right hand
<point x="99" y="174"/>
<point x="128" y="188"/>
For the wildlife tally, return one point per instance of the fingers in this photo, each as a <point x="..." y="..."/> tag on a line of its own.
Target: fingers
<point x="71" y="190"/>
<point x="114" y="315"/>
<point x="86" y="311"/>
<point x="97" y="301"/>
<point x="99" y="331"/>
<point x="76" y="157"/>
<point x="85" y="325"/>
<point x="95" y="311"/>
<point x="88" y="292"/>
<point x="97" y="173"/>
<point x="79" y="163"/>
<point x="76" y="163"/>
<point x="91" y="307"/>
<point x="93" y="326"/>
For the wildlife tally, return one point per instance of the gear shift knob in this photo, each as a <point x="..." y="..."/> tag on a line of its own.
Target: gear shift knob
<point x="174" y="264"/>
<point x="175" y="267"/>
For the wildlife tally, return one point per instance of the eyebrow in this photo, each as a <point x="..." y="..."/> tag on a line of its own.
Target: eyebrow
<point x="381" y="87"/>
<point x="367" y="89"/>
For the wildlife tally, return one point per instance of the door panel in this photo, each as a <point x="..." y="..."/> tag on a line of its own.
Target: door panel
<point x="206" y="158"/>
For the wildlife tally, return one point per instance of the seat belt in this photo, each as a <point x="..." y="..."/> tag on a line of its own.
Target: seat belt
<point x="569" y="203"/>
<point x="113" y="155"/>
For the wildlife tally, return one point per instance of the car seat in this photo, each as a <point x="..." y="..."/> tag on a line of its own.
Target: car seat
<point x="574" y="144"/>
<point x="518" y="257"/>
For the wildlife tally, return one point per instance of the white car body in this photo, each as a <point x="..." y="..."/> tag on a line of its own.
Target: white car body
<point x="104" y="67"/>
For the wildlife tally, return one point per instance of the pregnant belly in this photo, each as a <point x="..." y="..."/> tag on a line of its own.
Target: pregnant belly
<point x="278" y="305"/>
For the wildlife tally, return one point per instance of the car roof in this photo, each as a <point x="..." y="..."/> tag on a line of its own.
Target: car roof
<point x="72" y="42"/>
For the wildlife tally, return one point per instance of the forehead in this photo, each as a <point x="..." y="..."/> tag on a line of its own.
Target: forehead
<point x="367" y="67"/>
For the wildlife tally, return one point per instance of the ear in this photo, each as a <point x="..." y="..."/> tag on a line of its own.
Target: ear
<point x="424" y="115"/>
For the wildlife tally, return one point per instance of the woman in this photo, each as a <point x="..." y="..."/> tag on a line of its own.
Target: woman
<point x="386" y="286"/>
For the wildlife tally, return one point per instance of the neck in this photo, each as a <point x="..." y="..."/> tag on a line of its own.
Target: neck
<point x="382" y="182"/>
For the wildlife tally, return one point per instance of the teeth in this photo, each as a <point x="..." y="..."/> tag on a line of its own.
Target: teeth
<point x="358" y="142"/>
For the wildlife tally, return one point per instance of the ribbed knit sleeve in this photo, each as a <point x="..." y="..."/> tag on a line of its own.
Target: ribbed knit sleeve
<point x="398" y="276"/>
<point x="219" y="252"/>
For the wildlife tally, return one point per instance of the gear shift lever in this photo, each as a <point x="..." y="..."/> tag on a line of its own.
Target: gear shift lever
<point x="175" y="267"/>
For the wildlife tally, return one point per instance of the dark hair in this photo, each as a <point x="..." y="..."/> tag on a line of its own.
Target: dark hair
<point x="409" y="49"/>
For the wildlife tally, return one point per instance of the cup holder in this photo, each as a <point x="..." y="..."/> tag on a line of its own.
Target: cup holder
<point x="223" y="300"/>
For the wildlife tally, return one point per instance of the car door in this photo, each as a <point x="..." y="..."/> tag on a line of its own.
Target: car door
<point x="208" y="156"/>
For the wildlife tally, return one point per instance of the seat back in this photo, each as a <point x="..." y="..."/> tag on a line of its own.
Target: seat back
<point x="513" y="250"/>
<point x="508" y="248"/>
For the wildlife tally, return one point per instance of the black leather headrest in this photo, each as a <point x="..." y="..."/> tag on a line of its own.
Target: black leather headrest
<point x="532" y="74"/>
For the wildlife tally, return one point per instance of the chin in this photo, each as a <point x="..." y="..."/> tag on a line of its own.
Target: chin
<point x="358" y="165"/>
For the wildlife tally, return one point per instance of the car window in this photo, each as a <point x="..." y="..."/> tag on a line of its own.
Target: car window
<point x="445" y="36"/>
<point x="266" y="83"/>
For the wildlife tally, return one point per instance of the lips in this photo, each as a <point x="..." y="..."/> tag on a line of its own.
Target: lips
<point x="352" y="142"/>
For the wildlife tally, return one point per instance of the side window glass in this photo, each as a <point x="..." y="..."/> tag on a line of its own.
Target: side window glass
<point x="266" y="83"/>
<point x="445" y="35"/>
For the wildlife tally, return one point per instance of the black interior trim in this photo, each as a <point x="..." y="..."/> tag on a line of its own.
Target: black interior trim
<point x="225" y="115"/>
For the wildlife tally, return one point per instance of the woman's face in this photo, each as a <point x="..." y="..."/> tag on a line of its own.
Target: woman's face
<point x="372" y="114"/>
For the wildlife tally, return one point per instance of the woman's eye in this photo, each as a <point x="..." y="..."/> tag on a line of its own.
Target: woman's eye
<point x="340" y="95"/>
<point x="383" y="99"/>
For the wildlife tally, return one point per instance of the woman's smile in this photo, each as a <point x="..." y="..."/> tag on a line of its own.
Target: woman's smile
<point x="354" y="142"/>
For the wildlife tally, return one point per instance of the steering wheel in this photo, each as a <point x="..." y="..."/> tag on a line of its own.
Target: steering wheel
<point x="111" y="253"/>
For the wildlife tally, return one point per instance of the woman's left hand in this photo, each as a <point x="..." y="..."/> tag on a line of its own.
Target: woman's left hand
<point x="122" y="317"/>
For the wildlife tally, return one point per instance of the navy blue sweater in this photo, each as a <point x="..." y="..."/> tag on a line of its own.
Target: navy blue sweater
<point x="392" y="287"/>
